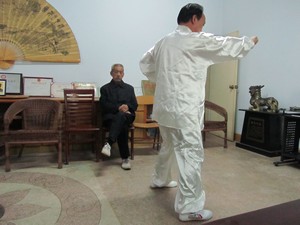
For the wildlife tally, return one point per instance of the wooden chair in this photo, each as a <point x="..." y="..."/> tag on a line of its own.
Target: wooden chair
<point x="215" y="125"/>
<point x="41" y="125"/>
<point x="131" y="138"/>
<point x="80" y="120"/>
<point x="144" y="103"/>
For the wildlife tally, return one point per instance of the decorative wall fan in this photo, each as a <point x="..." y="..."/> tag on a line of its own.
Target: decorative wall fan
<point x="32" y="30"/>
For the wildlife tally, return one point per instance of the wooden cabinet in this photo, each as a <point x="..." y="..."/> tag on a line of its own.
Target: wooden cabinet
<point x="290" y="143"/>
<point x="265" y="132"/>
<point x="262" y="132"/>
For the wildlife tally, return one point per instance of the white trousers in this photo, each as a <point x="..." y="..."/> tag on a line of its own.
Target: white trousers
<point x="188" y="148"/>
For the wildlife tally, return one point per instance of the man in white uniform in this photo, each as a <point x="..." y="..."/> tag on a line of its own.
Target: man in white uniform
<point x="178" y="65"/>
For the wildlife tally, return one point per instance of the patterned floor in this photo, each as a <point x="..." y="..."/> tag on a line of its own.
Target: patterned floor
<point x="48" y="198"/>
<point x="84" y="192"/>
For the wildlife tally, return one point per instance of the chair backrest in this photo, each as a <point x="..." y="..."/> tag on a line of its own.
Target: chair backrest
<point x="145" y="106"/>
<point x="80" y="108"/>
<point x="216" y="108"/>
<point x="148" y="87"/>
<point x="37" y="114"/>
<point x="145" y="99"/>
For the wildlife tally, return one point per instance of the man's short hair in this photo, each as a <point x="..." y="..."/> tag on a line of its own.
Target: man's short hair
<point x="114" y="65"/>
<point x="188" y="11"/>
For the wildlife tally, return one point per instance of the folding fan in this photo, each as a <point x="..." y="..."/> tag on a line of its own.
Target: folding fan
<point x="32" y="30"/>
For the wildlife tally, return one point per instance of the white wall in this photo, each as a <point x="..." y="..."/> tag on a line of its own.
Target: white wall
<point x="115" y="31"/>
<point x="275" y="60"/>
<point x="121" y="31"/>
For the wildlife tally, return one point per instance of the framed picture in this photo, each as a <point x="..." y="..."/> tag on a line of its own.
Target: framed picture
<point x="84" y="85"/>
<point x="2" y="87"/>
<point x="13" y="83"/>
<point x="37" y="86"/>
<point x="148" y="87"/>
<point x="57" y="89"/>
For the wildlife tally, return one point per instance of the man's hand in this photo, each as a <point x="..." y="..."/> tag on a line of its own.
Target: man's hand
<point x="254" y="39"/>
<point x="123" y="108"/>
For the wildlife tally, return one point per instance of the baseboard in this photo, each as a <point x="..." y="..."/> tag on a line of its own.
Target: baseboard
<point x="237" y="137"/>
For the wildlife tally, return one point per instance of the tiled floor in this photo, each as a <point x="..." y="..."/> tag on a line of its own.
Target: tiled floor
<point x="235" y="180"/>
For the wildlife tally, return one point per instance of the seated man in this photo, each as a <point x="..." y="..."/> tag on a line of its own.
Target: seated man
<point x="118" y="103"/>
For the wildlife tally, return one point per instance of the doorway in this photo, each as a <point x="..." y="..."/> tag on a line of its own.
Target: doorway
<point x="221" y="88"/>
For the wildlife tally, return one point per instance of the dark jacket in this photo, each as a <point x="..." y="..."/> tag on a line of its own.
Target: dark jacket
<point x="113" y="95"/>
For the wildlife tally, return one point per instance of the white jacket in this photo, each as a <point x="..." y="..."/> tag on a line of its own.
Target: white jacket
<point x="178" y="65"/>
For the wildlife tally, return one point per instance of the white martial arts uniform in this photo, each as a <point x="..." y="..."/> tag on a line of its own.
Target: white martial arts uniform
<point x="178" y="65"/>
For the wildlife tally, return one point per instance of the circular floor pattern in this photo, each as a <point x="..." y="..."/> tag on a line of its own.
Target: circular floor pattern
<point x="78" y="203"/>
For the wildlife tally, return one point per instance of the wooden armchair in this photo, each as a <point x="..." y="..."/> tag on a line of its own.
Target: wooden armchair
<point x="81" y="120"/>
<point x="215" y="125"/>
<point x="41" y="125"/>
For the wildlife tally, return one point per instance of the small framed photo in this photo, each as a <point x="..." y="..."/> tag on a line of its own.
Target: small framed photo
<point x="2" y="87"/>
<point x="57" y="89"/>
<point x="37" y="86"/>
<point x="13" y="83"/>
<point x="84" y="85"/>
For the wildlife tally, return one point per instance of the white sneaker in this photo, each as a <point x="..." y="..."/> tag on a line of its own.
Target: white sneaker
<point x="126" y="164"/>
<point x="172" y="184"/>
<point x="202" y="215"/>
<point x="106" y="149"/>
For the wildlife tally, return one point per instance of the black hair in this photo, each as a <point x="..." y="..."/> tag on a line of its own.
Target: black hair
<point x="188" y="11"/>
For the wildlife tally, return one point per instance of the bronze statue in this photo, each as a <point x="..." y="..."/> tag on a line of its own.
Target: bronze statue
<point x="258" y="103"/>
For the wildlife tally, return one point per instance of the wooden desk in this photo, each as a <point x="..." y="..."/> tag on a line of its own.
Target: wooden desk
<point x="6" y="101"/>
<point x="142" y="114"/>
<point x="13" y="98"/>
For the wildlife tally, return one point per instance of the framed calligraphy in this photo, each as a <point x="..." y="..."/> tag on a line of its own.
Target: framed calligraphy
<point x="84" y="85"/>
<point x="57" y="89"/>
<point x="37" y="86"/>
<point x="2" y="87"/>
<point x="13" y="83"/>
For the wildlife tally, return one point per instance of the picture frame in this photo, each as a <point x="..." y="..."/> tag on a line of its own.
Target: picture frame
<point x="2" y="87"/>
<point x="86" y="85"/>
<point x="57" y="89"/>
<point x="148" y="87"/>
<point x="37" y="86"/>
<point x="14" y="84"/>
<point x="138" y="91"/>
